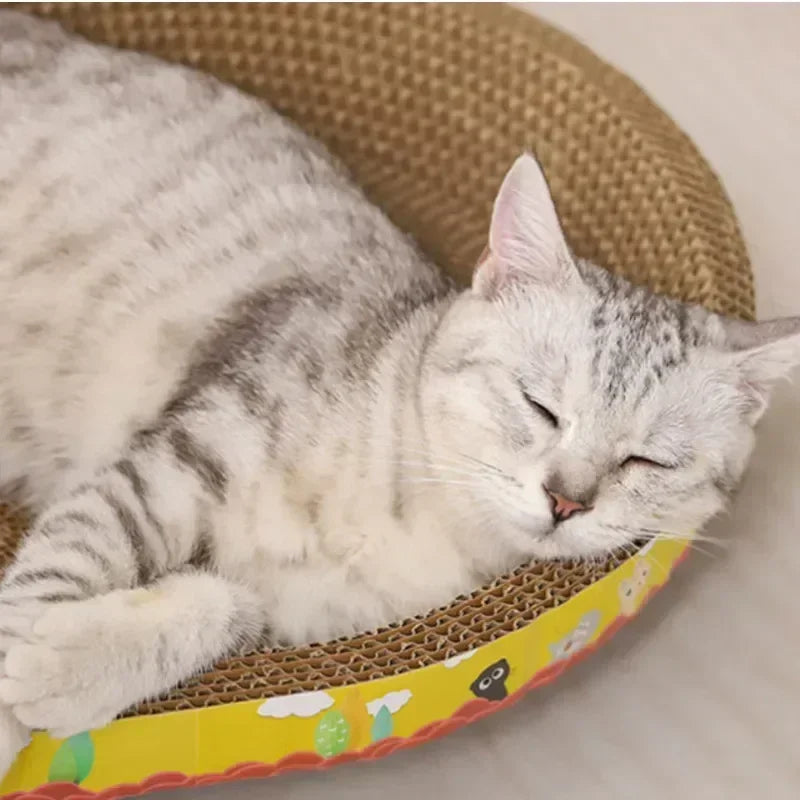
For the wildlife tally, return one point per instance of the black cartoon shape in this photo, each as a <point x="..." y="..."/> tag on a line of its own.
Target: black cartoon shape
<point x="491" y="683"/>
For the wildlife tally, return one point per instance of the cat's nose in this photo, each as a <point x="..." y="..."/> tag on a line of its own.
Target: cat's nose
<point x="562" y="507"/>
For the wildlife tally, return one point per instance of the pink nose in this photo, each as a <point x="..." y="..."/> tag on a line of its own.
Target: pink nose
<point x="562" y="507"/>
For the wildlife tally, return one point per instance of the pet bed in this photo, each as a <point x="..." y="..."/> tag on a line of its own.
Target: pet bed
<point x="428" y="104"/>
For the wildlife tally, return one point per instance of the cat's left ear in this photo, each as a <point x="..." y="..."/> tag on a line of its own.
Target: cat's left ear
<point x="526" y="242"/>
<point x="763" y="353"/>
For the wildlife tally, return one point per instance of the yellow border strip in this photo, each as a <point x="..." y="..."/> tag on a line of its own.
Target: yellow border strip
<point x="368" y="719"/>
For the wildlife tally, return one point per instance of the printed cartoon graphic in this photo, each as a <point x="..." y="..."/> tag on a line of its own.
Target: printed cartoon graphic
<point x="307" y="704"/>
<point x="641" y="572"/>
<point x="454" y="661"/>
<point x="382" y="709"/>
<point x="72" y="762"/>
<point x="355" y="712"/>
<point x="383" y="726"/>
<point x="631" y="589"/>
<point x="394" y="701"/>
<point x="627" y="597"/>
<point x="577" y="638"/>
<point x="491" y="683"/>
<point x="332" y="734"/>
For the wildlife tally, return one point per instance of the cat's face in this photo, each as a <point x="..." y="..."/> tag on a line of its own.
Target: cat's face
<point x="583" y="413"/>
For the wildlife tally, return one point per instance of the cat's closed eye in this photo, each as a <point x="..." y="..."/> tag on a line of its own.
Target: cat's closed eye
<point x="543" y="411"/>
<point x="643" y="461"/>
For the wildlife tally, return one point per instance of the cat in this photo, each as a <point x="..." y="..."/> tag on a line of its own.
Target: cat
<point x="247" y="410"/>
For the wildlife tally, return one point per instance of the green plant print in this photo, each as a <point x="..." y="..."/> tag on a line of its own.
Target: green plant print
<point x="382" y="726"/>
<point x="332" y="735"/>
<point x="72" y="762"/>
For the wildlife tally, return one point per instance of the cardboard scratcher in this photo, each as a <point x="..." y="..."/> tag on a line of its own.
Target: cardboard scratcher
<point x="428" y="105"/>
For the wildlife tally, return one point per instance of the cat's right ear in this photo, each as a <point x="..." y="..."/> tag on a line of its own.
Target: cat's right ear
<point x="763" y="353"/>
<point x="526" y="243"/>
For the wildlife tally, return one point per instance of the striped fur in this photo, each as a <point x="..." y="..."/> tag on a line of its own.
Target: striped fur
<point x="247" y="409"/>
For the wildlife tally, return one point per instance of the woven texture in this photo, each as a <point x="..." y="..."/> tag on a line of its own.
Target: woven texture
<point x="428" y="104"/>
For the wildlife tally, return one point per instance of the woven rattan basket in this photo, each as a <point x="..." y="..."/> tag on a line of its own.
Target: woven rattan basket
<point x="428" y="105"/>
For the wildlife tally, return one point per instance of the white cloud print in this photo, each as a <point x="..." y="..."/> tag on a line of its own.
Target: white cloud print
<point x="456" y="660"/>
<point x="306" y="704"/>
<point x="394" y="701"/>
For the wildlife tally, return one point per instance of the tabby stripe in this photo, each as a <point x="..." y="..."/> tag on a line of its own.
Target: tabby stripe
<point x="210" y="470"/>
<point x="86" y="549"/>
<point x="128" y="470"/>
<point x="202" y="552"/>
<point x="52" y="574"/>
<point x="78" y="517"/>
<point x="60" y="536"/>
<point x="427" y="343"/>
<point x="59" y="597"/>
<point x="133" y="532"/>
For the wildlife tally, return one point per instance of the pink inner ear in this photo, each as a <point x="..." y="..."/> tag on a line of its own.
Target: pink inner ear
<point x="490" y="274"/>
<point x="484" y="256"/>
<point x="525" y="235"/>
<point x="502" y="230"/>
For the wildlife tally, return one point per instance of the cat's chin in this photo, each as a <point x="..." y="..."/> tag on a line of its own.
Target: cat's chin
<point x="552" y="549"/>
<point x="561" y="543"/>
<point x="542" y="541"/>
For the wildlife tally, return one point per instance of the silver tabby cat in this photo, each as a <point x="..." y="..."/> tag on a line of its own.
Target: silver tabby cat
<point x="246" y="408"/>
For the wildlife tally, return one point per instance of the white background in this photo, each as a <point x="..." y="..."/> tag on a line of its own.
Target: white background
<point x="700" y="696"/>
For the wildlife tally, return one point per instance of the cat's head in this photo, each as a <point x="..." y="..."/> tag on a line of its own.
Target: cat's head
<point x="578" y="413"/>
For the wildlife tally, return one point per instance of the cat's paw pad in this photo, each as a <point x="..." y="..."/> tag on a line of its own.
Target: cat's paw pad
<point x="62" y="678"/>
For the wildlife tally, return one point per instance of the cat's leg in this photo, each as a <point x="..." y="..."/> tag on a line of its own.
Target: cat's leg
<point x="149" y="514"/>
<point x="92" y="542"/>
<point x="86" y="661"/>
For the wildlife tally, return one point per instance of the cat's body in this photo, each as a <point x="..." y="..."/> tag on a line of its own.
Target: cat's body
<point x="138" y="282"/>
<point x="247" y="408"/>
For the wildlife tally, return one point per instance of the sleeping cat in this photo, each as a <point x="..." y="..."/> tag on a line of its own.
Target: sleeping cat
<point x="247" y="409"/>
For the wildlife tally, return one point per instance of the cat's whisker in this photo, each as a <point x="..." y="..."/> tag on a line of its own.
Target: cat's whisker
<point x="412" y="451"/>
<point x="691" y="544"/>
<point x="666" y="533"/>
<point x="443" y="481"/>
<point x="426" y="459"/>
<point x="487" y="474"/>
<point x="438" y="468"/>
<point x="703" y="551"/>
<point x="485" y="464"/>
<point x="473" y="465"/>
<point x="691" y="538"/>
<point x="437" y="472"/>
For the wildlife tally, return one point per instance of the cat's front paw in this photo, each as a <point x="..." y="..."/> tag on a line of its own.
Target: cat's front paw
<point x="62" y="677"/>
<point x="14" y="736"/>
